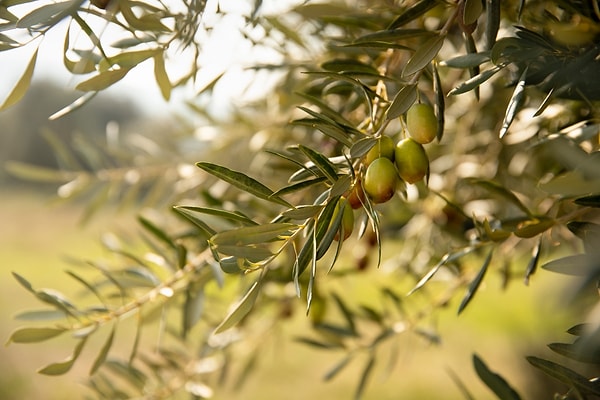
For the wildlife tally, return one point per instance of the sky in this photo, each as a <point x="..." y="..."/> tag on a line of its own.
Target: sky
<point x="225" y="49"/>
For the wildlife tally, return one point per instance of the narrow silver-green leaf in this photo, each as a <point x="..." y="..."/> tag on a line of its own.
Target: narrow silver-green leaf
<point x="424" y="55"/>
<point x="251" y="253"/>
<point x="499" y="190"/>
<point x="101" y="357"/>
<point x="22" y="84"/>
<point x="447" y="258"/>
<point x="48" y="14"/>
<point x="575" y="265"/>
<point x="514" y="103"/>
<point x="320" y="162"/>
<point x="78" y="103"/>
<point x="475" y="81"/>
<point x="467" y="60"/>
<point x="533" y="262"/>
<point x="300" y="185"/>
<point x="338" y="367"/>
<point x="253" y="234"/>
<point x="40" y="315"/>
<point x="34" y="335"/>
<point x="364" y="377"/>
<point x="65" y="366"/>
<point x="243" y="182"/>
<point x="439" y="104"/>
<point x="224" y="214"/>
<point x="413" y="12"/>
<point x="566" y="375"/>
<point x="362" y="147"/>
<point x="302" y="212"/>
<point x="405" y="98"/>
<point x="492" y="22"/>
<point x="474" y="285"/>
<point x="241" y="309"/>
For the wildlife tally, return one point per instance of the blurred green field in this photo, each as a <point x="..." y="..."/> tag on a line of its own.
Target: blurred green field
<point x="501" y="327"/>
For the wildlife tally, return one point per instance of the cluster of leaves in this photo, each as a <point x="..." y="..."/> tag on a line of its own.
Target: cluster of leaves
<point x="145" y="31"/>
<point x="281" y="244"/>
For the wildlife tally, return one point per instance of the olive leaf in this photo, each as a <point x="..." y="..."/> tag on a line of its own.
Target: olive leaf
<point x="495" y="382"/>
<point x="22" y="85"/>
<point x="243" y="182"/>
<point x="424" y="55"/>
<point x="405" y="98"/>
<point x="241" y="309"/>
<point x="566" y="375"/>
<point x="474" y="285"/>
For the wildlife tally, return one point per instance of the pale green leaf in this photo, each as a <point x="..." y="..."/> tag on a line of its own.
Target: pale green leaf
<point x="251" y="253"/>
<point x="81" y="101"/>
<point x="254" y="234"/>
<point x="22" y="84"/>
<point x="103" y="80"/>
<point x="36" y="173"/>
<point x="34" y="335"/>
<point x="101" y="357"/>
<point x="84" y="65"/>
<point x="65" y="366"/>
<point x="302" y="212"/>
<point x="161" y="76"/>
<point x="241" y="309"/>
<point x="40" y="315"/>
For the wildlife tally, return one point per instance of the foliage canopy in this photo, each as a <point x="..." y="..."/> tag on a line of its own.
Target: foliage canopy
<point x="511" y="179"/>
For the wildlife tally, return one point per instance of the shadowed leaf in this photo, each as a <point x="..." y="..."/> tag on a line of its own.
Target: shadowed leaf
<point x="474" y="285"/>
<point x="495" y="382"/>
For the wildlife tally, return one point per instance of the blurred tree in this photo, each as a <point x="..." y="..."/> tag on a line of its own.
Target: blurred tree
<point x="496" y="169"/>
<point x="24" y="126"/>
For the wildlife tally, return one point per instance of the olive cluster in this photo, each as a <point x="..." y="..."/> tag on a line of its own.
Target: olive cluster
<point x="388" y="162"/>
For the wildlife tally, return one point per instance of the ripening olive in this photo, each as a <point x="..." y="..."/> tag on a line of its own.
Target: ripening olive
<point x="380" y="180"/>
<point x="384" y="147"/>
<point x="411" y="160"/>
<point x="356" y="196"/>
<point x="421" y="122"/>
<point x="347" y="218"/>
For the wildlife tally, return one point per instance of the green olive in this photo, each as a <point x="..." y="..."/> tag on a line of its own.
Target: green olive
<point x="380" y="180"/>
<point x="411" y="160"/>
<point x="422" y="123"/>
<point x="347" y="218"/>
<point x="384" y="147"/>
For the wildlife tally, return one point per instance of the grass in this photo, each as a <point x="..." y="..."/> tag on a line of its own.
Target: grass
<point x="500" y="326"/>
